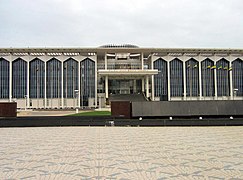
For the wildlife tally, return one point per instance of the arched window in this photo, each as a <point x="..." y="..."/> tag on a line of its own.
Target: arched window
<point x="70" y="78"/>
<point x="192" y="78"/>
<point x="207" y="69"/>
<point x="19" y="78"/>
<point x="176" y="78"/>
<point x="223" y="77"/>
<point x="37" y="78"/>
<point x="161" y="79"/>
<point x="87" y="80"/>
<point x="4" y="78"/>
<point x="53" y="79"/>
<point x="237" y="73"/>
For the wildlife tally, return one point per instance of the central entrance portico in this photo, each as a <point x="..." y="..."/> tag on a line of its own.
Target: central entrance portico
<point x="124" y="86"/>
<point x="127" y="81"/>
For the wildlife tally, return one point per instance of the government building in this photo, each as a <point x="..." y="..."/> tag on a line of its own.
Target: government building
<point x="59" y="78"/>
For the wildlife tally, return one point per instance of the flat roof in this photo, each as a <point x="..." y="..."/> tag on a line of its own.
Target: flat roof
<point x="102" y="50"/>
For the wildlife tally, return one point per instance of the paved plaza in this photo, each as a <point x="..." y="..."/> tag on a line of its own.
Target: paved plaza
<point x="121" y="153"/>
<point x="44" y="113"/>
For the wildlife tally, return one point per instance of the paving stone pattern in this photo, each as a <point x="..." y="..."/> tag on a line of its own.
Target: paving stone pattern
<point x="121" y="153"/>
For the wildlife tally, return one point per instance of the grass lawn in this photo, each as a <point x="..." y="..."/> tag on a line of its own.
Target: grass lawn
<point x="92" y="113"/>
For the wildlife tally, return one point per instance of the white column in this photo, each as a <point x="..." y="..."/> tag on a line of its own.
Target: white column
<point x="231" y="81"/>
<point x="105" y="61"/>
<point x="28" y="82"/>
<point x="62" y="103"/>
<point x="215" y="79"/>
<point x="184" y="78"/>
<point x="106" y="87"/>
<point x="168" y="75"/>
<point x="200" y="78"/>
<point x="79" y="88"/>
<point x="143" y="84"/>
<point x="96" y="81"/>
<point x="152" y="79"/>
<point x="10" y="78"/>
<point x="152" y="88"/>
<point x="134" y="85"/>
<point x="147" y="86"/>
<point x="152" y="82"/>
<point x="142" y="63"/>
<point x="45" y="99"/>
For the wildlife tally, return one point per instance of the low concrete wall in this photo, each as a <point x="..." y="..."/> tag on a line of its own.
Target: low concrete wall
<point x="187" y="108"/>
<point x="8" y="109"/>
<point x="109" y="121"/>
<point x="121" y="109"/>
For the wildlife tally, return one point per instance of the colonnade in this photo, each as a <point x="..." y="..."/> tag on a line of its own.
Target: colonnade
<point x="41" y="98"/>
<point x="223" y="71"/>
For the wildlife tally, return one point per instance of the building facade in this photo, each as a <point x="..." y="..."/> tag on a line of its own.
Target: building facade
<point x="86" y="77"/>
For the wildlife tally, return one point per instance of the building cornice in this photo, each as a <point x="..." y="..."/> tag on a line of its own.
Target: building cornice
<point x="121" y="50"/>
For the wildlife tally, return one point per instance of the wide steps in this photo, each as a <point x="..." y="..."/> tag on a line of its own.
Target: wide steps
<point x="127" y="97"/>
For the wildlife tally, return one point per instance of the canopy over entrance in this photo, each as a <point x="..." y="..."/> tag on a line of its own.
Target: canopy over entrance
<point x="127" y="72"/>
<point x="121" y="86"/>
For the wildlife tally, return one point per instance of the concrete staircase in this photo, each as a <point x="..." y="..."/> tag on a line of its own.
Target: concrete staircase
<point x="127" y="97"/>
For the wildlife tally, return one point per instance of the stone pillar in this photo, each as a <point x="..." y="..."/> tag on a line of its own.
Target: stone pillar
<point x="200" y="79"/>
<point x="231" y="81"/>
<point x="152" y="88"/>
<point x="62" y="101"/>
<point x="45" y="99"/>
<point x="143" y="84"/>
<point x="79" y="86"/>
<point x="215" y="79"/>
<point x="184" y="78"/>
<point x="152" y="79"/>
<point x="168" y="75"/>
<point x="147" y="86"/>
<point x="215" y="83"/>
<point x="106" y="87"/>
<point x="134" y="86"/>
<point x="10" y="78"/>
<point x="105" y="61"/>
<point x="142" y="63"/>
<point x="96" y="81"/>
<point x="28" y="82"/>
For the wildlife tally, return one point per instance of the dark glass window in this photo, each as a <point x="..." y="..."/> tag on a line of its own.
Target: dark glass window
<point x="87" y="81"/>
<point x="53" y="79"/>
<point x="237" y="73"/>
<point x="207" y="69"/>
<point x="192" y="78"/>
<point x="70" y="78"/>
<point x="223" y="83"/>
<point x="4" y="78"/>
<point x="19" y="78"/>
<point x="176" y="78"/>
<point x="37" y="78"/>
<point x="161" y="79"/>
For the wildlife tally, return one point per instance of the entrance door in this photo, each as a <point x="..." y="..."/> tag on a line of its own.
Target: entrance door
<point x="124" y="86"/>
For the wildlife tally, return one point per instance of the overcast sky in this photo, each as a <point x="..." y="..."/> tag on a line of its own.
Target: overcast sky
<point x="146" y="23"/>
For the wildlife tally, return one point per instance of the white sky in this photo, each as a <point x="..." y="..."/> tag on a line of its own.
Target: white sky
<point x="146" y="23"/>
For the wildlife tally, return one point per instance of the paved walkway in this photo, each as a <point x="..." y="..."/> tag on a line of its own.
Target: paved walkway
<point x="121" y="153"/>
<point x="54" y="113"/>
<point x="44" y="113"/>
